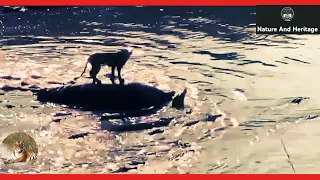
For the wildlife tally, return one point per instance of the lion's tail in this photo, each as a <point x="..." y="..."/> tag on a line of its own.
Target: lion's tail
<point x="84" y="70"/>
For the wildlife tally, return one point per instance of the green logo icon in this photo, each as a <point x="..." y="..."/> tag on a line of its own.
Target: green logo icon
<point x="287" y="14"/>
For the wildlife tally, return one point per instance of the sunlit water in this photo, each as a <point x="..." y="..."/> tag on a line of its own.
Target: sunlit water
<point x="252" y="79"/>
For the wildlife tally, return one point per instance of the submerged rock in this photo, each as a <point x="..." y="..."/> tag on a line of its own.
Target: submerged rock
<point x="156" y="131"/>
<point x="80" y="135"/>
<point x="9" y="106"/>
<point x="298" y="100"/>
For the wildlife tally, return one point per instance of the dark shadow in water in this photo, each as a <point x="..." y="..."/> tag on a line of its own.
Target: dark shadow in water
<point x="85" y="21"/>
<point x="247" y="62"/>
<point x="118" y="101"/>
<point x="9" y="78"/>
<point x="134" y="97"/>
<point x="131" y="100"/>
<point x="183" y="22"/>
<point x="297" y="60"/>
<point x="223" y="56"/>
<point x="21" y="41"/>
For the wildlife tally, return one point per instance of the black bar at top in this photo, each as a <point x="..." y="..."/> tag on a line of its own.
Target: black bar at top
<point x="305" y="19"/>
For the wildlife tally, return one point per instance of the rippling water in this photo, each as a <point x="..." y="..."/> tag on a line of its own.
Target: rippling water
<point x="263" y="84"/>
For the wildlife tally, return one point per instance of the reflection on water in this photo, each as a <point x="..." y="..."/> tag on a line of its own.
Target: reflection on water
<point x="254" y="81"/>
